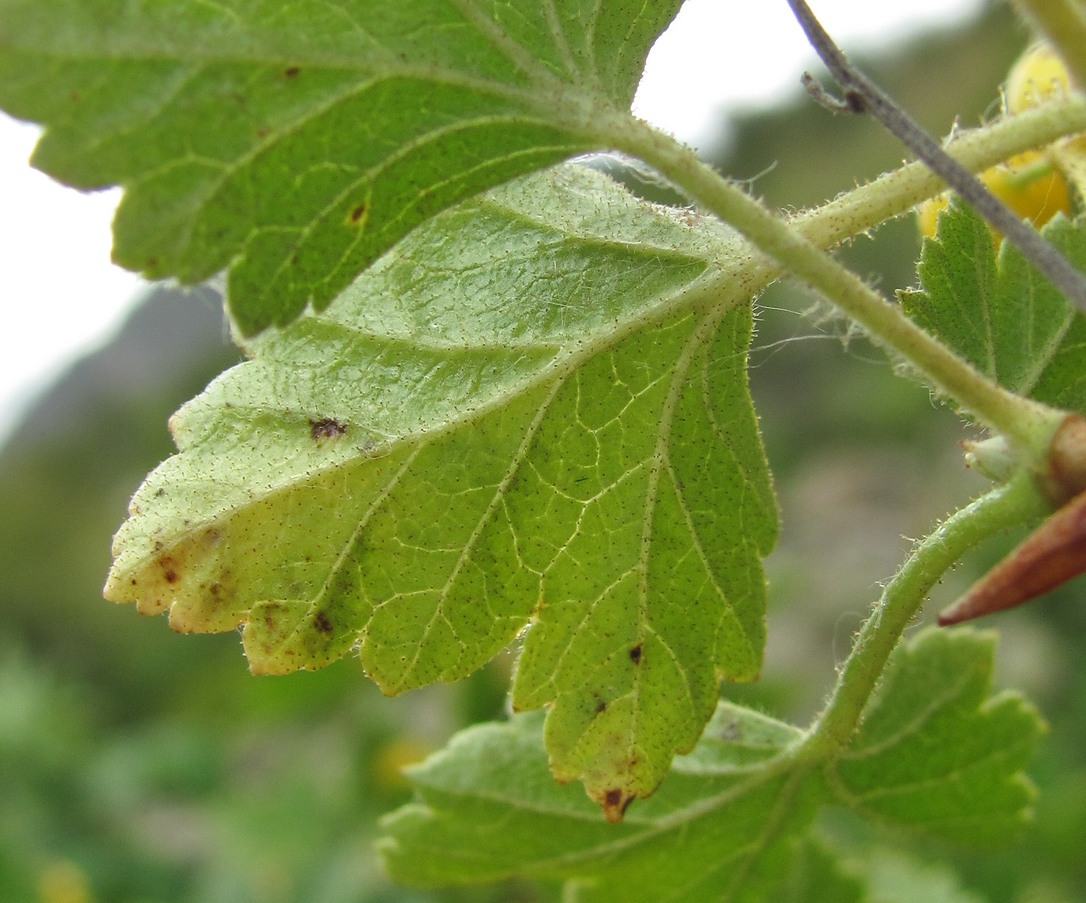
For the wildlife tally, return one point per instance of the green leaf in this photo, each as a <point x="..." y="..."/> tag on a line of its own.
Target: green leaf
<point x="817" y="874"/>
<point x="1070" y="156"/>
<point x="532" y="413"/>
<point x="933" y="754"/>
<point x="999" y="313"/>
<point x="728" y="822"/>
<point x="488" y="809"/>
<point x="893" y="877"/>
<point x="296" y="142"/>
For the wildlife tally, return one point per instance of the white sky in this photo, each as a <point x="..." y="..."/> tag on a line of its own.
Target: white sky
<point x="61" y="297"/>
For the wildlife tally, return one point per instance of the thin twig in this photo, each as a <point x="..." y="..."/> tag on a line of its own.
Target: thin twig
<point x="863" y="95"/>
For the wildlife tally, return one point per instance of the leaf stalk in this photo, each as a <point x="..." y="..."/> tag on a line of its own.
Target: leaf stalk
<point x="1009" y="504"/>
<point x="1027" y="424"/>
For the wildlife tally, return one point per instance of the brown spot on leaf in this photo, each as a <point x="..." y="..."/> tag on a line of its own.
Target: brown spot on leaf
<point x="635" y="654"/>
<point x="615" y="804"/>
<point x="357" y="214"/>
<point x="322" y="622"/>
<point x="292" y="71"/>
<point x="601" y="707"/>
<point x="326" y="428"/>
<point x="169" y="569"/>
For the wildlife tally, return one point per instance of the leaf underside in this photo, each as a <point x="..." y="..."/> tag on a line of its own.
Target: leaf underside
<point x="527" y="415"/>
<point x="935" y="754"/>
<point x="726" y="823"/>
<point x="999" y="313"/>
<point x="295" y="142"/>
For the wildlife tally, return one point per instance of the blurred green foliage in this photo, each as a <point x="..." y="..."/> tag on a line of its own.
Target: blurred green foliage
<point x="137" y="766"/>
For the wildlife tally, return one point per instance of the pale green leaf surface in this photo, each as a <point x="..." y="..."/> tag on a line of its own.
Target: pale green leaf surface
<point x="295" y="142"/>
<point x="726" y="824"/>
<point x="999" y="313"/>
<point x="893" y="877"/>
<point x="934" y="754"/>
<point x="529" y="413"/>
<point x="1070" y="156"/>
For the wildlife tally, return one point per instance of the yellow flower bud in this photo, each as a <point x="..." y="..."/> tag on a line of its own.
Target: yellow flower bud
<point x="1039" y="74"/>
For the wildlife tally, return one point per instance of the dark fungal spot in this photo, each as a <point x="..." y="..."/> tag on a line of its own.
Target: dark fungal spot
<point x="358" y="213"/>
<point x="292" y="71"/>
<point x="169" y="569"/>
<point x="601" y="707"/>
<point x="322" y="622"/>
<point x="326" y="428"/>
<point x="615" y="804"/>
<point x="635" y="654"/>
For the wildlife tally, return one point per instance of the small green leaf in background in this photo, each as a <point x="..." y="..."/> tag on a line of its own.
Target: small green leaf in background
<point x="488" y="809"/>
<point x="295" y="142"/>
<point x="934" y="755"/>
<point x="893" y="877"/>
<point x="534" y="411"/>
<point x="999" y="313"/>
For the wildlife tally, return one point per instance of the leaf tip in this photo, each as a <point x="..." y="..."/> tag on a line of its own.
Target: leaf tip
<point x="614" y="803"/>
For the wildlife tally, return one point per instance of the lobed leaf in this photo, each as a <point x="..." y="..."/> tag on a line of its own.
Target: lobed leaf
<point x="488" y="809"/>
<point x="933" y="753"/>
<point x="295" y="142"/>
<point x="528" y="415"/>
<point x="1001" y="314"/>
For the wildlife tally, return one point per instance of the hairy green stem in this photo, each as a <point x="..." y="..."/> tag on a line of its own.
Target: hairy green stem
<point x="1006" y="506"/>
<point x="862" y="95"/>
<point x="1063" y="24"/>
<point x="977" y="149"/>
<point x="1023" y="422"/>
